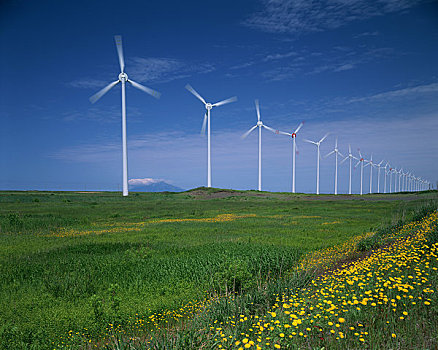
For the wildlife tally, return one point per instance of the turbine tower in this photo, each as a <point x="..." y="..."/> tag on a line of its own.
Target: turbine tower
<point x="371" y="164"/>
<point x="361" y="160"/>
<point x="318" y="157"/>
<point x="123" y="78"/>
<point x="294" y="150"/>
<point x="208" y="107"/>
<point x="386" y="173"/>
<point x="259" y="125"/>
<point x="378" y="175"/>
<point x="350" y="157"/>
<point x="336" y="152"/>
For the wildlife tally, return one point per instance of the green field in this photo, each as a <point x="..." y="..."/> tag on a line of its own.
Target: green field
<point x="75" y="261"/>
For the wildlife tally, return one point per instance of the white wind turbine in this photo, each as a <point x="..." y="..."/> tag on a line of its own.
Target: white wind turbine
<point x="259" y="125"/>
<point x="379" y="166"/>
<point x="391" y="170"/>
<point x="360" y="161"/>
<point x="318" y="157"/>
<point x="399" y="172"/>
<point x="371" y="164"/>
<point x="123" y="78"/>
<point x="208" y="107"/>
<point x="350" y="157"/>
<point x="294" y="150"/>
<point x="386" y="173"/>
<point x="335" y="152"/>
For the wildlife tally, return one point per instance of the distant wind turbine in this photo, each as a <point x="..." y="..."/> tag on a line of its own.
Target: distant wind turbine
<point x="294" y="150"/>
<point x="123" y="78"/>
<point x="379" y="166"/>
<point x="371" y="164"/>
<point x="318" y="157"/>
<point x="259" y="125"/>
<point x="208" y="107"/>
<point x="350" y="157"/>
<point x="386" y="173"/>
<point x="335" y="152"/>
<point x="361" y="160"/>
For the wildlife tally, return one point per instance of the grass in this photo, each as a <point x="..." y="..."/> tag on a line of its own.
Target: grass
<point x="80" y="262"/>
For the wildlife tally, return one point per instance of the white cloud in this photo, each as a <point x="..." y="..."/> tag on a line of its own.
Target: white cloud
<point x="88" y="83"/>
<point x="300" y="16"/>
<point x="160" y="70"/>
<point x="410" y="92"/>
<point x="279" y="56"/>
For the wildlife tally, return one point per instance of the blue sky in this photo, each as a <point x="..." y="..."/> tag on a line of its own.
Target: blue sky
<point x="363" y="70"/>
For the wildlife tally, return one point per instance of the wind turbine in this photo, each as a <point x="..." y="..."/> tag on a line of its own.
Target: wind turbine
<point x="123" y="78"/>
<point x="294" y="147"/>
<point x="361" y="160"/>
<point x="394" y="170"/>
<point x="386" y="173"/>
<point x="336" y="152"/>
<point x="350" y="157"/>
<point x="371" y="164"/>
<point x="317" y="144"/>
<point x="378" y="176"/>
<point x="259" y="125"/>
<point x="399" y="172"/>
<point x="208" y="107"/>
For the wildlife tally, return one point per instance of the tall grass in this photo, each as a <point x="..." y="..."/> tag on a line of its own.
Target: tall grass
<point x="102" y="272"/>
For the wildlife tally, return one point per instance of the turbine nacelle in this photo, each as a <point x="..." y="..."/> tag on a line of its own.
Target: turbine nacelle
<point x="259" y="123"/>
<point x="293" y="135"/>
<point x="123" y="77"/>
<point x="208" y="106"/>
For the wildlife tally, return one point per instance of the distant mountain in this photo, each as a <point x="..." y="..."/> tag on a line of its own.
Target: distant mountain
<point x="152" y="185"/>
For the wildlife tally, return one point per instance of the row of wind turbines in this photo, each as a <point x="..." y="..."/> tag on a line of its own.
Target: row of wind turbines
<point x="409" y="183"/>
<point x="406" y="180"/>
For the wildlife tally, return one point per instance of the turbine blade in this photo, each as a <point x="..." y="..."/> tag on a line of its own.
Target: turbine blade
<point x="248" y="132"/>
<point x="118" y="40"/>
<point x="257" y="109"/>
<point x="357" y="164"/>
<point x="224" y="102"/>
<point x="305" y="140"/>
<point x="270" y="129"/>
<point x="340" y="154"/>
<point x="204" y="124"/>
<point x="349" y="149"/>
<point x="149" y="91"/>
<point x="325" y="136"/>
<point x="336" y="142"/>
<point x="102" y="92"/>
<point x="328" y="154"/>
<point x="299" y="127"/>
<point x="284" y="133"/>
<point x="343" y="160"/>
<point x="193" y="91"/>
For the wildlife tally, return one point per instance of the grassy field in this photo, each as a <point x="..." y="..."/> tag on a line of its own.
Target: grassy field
<point x="81" y="261"/>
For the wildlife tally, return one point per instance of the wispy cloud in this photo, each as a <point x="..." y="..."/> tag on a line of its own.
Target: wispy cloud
<point x="410" y="92"/>
<point x="161" y="70"/>
<point x="151" y="69"/>
<point x="87" y="83"/>
<point x="338" y="59"/>
<point x="300" y="16"/>
<point x="280" y="56"/>
<point x="366" y="34"/>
